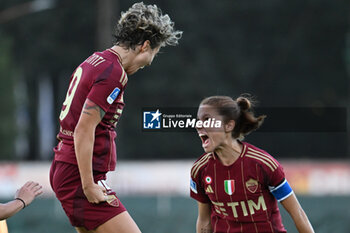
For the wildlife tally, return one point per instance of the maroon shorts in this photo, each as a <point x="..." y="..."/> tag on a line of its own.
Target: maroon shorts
<point x="65" y="182"/>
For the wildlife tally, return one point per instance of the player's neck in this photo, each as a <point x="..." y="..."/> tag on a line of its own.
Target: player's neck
<point x="228" y="153"/>
<point x="125" y="55"/>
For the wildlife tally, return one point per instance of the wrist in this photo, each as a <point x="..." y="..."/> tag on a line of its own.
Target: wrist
<point x="21" y="200"/>
<point x="88" y="184"/>
<point x="86" y="178"/>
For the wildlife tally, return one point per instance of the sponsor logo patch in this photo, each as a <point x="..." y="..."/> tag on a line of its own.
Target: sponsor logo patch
<point x="113" y="96"/>
<point x="193" y="186"/>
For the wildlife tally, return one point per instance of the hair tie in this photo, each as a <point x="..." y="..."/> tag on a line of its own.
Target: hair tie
<point x="20" y="199"/>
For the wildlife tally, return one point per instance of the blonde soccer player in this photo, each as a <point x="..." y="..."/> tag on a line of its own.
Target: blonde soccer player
<point x="94" y="103"/>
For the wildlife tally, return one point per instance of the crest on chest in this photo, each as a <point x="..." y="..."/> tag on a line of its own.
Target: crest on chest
<point x="251" y="185"/>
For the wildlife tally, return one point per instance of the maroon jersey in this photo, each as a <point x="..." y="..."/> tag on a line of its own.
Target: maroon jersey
<point x="101" y="79"/>
<point x="239" y="194"/>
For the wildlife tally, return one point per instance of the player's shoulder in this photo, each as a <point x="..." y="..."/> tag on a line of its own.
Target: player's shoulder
<point x="102" y="66"/>
<point x="255" y="155"/>
<point x="201" y="163"/>
<point x="103" y="61"/>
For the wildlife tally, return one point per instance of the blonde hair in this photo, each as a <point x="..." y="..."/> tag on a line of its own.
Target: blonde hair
<point x="145" y="22"/>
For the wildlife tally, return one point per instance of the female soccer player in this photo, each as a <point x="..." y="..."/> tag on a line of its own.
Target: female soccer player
<point x="236" y="184"/>
<point x="94" y="102"/>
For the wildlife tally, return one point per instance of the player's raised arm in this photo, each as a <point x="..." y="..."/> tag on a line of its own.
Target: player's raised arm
<point x="297" y="213"/>
<point x="203" y="224"/>
<point x="84" y="137"/>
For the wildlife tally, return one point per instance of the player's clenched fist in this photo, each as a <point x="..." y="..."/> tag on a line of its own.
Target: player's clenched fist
<point x="95" y="193"/>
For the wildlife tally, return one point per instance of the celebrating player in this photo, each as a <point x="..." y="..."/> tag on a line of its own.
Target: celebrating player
<point x="94" y="102"/>
<point x="236" y="184"/>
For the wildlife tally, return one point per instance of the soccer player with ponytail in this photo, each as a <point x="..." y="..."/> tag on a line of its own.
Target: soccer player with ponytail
<point x="236" y="184"/>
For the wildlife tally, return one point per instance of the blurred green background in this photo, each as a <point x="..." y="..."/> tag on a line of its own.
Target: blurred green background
<point x="286" y="53"/>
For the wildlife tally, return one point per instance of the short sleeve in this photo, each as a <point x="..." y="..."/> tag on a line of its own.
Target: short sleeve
<point x="276" y="176"/>
<point x="106" y="87"/>
<point x="197" y="189"/>
<point x="278" y="184"/>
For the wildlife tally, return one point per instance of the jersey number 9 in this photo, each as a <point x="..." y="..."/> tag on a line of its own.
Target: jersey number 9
<point x="70" y="93"/>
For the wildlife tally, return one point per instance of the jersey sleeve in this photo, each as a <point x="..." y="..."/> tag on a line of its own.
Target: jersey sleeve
<point x="276" y="175"/>
<point x="106" y="87"/>
<point x="197" y="188"/>
<point x="277" y="182"/>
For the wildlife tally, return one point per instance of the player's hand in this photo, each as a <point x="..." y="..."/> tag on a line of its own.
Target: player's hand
<point x="29" y="191"/>
<point x="95" y="193"/>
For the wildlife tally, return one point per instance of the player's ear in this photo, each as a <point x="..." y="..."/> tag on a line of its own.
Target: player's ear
<point x="229" y="126"/>
<point x="145" y="46"/>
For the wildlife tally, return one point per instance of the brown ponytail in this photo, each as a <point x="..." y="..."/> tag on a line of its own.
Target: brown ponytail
<point x="239" y="110"/>
<point x="246" y="122"/>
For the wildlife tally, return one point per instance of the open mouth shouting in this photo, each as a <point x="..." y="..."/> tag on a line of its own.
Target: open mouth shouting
<point x="205" y="140"/>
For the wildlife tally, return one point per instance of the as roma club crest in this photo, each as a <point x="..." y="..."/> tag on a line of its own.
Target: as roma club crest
<point x="229" y="186"/>
<point x="111" y="197"/>
<point x="251" y="185"/>
<point x="112" y="200"/>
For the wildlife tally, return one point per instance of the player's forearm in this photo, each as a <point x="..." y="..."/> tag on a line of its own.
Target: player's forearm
<point x="297" y="213"/>
<point x="83" y="143"/>
<point x="302" y="223"/>
<point x="10" y="208"/>
<point x="203" y="226"/>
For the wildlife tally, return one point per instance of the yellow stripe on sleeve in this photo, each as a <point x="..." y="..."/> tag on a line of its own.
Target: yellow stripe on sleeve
<point x="196" y="167"/>
<point x="262" y="160"/>
<point x="262" y="155"/>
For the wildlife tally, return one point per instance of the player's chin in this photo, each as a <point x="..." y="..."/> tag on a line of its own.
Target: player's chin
<point x="131" y="72"/>
<point x="208" y="149"/>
